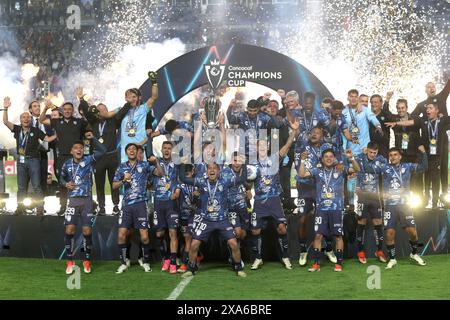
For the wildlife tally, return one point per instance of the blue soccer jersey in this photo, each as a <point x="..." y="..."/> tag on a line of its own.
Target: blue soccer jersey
<point x="133" y="127"/>
<point x="236" y="194"/>
<point x="367" y="181"/>
<point x="334" y="134"/>
<point x="267" y="182"/>
<point x="164" y="186"/>
<point x="309" y="120"/>
<point x="186" y="200"/>
<point x="136" y="190"/>
<point x="80" y="173"/>
<point x="329" y="188"/>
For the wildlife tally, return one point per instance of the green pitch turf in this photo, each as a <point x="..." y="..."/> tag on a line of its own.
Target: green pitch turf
<point x="45" y="279"/>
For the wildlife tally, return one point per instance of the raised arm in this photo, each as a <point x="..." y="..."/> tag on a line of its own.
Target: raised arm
<point x="423" y="165"/>
<point x="302" y="172"/>
<point x="159" y="171"/>
<point x="99" y="148"/>
<point x="352" y="160"/>
<point x="184" y="179"/>
<point x="295" y="132"/>
<point x="404" y="123"/>
<point x="152" y="76"/>
<point x="232" y="119"/>
<point x="6" y="105"/>
<point x="43" y="118"/>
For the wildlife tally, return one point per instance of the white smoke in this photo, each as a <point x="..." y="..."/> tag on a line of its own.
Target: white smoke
<point x="12" y="85"/>
<point x="130" y="68"/>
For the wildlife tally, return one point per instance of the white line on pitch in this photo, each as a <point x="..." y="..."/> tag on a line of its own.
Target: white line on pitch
<point x="179" y="289"/>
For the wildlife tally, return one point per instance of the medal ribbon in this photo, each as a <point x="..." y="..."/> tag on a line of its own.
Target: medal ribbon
<point x="23" y="139"/>
<point x="328" y="179"/>
<point x="433" y="132"/>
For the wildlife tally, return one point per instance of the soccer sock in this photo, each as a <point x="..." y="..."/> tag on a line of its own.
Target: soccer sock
<point x="302" y="243"/>
<point x="173" y="258"/>
<point x="141" y="251"/>
<point x="128" y="250"/>
<point x="87" y="244"/>
<point x="185" y="257"/>
<point x="192" y="266"/>
<point x="378" y="233"/>
<point x="145" y="249"/>
<point x="339" y="256"/>
<point x="68" y="241"/>
<point x="230" y="254"/>
<point x="316" y="255"/>
<point x="237" y="266"/>
<point x="162" y="247"/>
<point x="391" y="251"/>
<point x="329" y="244"/>
<point x="283" y="242"/>
<point x="360" y="230"/>
<point x="414" y="246"/>
<point x="256" y="245"/>
<point x="123" y="253"/>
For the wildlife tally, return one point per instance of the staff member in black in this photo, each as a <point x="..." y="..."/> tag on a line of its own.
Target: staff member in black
<point x="35" y="110"/>
<point x="435" y="140"/>
<point x="440" y="99"/>
<point x="28" y="162"/>
<point x="68" y="130"/>
<point x="381" y="111"/>
<point x="105" y="130"/>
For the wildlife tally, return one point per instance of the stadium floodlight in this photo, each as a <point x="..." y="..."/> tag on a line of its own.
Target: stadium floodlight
<point x="445" y="199"/>
<point x="414" y="201"/>
<point x="27" y="202"/>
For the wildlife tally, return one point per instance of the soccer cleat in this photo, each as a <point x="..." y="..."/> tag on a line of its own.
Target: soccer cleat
<point x="173" y="269"/>
<point x="70" y="267"/>
<point x="287" y="263"/>
<point x="315" y="268"/>
<point x="417" y="259"/>
<point x="116" y="210"/>
<point x="87" y="266"/>
<point x="128" y="262"/>
<point x="146" y="267"/>
<point x="362" y="257"/>
<point x="165" y="265"/>
<point x="122" y="268"/>
<point x="392" y="263"/>
<point x="303" y="258"/>
<point x="182" y="268"/>
<point x="380" y="255"/>
<point x="141" y="262"/>
<point x="337" y="267"/>
<point x="256" y="264"/>
<point x="331" y="256"/>
<point x="187" y="274"/>
<point x="241" y="274"/>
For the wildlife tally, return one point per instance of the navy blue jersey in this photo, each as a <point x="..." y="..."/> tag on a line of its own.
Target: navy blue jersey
<point x="181" y="125"/>
<point x="267" y="182"/>
<point x="329" y="188"/>
<point x="309" y="120"/>
<point x="236" y="194"/>
<point x="164" y="186"/>
<point x="136" y="190"/>
<point x="334" y="134"/>
<point x="367" y="181"/>
<point x="186" y="199"/>
<point x="80" y="173"/>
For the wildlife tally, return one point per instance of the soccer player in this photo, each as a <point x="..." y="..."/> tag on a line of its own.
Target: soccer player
<point x="396" y="178"/>
<point x="214" y="213"/>
<point x="369" y="202"/>
<point x="187" y="197"/>
<point x="237" y="201"/>
<point x="267" y="202"/>
<point x="330" y="202"/>
<point x="165" y="216"/>
<point x="133" y="175"/>
<point x="76" y="176"/>
<point x="307" y="191"/>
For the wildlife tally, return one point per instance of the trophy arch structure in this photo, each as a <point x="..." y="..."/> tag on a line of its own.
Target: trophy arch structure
<point x="193" y="70"/>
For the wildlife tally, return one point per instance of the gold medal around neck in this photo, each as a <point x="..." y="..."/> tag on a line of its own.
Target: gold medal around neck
<point x="433" y="141"/>
<point x="329" y="195"/>
<point x="405" y="136"/>
<point x="267" y="181"/>
<point x="167" y="186"/>
<point x="22" y="151"/>
<point x="101" y="140"/>
<point x="210" y="209"/>
<point x="132" y="131"/>
<point x="355" y="130"/>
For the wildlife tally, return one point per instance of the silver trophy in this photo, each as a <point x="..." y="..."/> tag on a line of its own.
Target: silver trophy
<point x="212" y="111"/>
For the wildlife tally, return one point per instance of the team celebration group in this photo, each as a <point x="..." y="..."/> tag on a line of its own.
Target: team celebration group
<point x="233" y="183"/>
